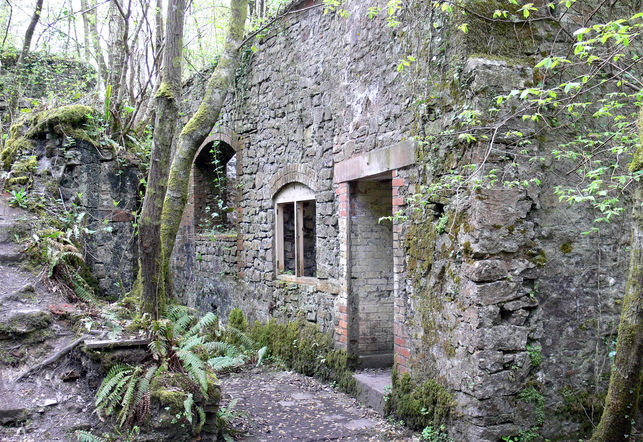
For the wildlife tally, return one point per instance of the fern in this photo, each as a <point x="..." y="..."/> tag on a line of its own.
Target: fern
<point x="86" y="436"/>
<point x="243" y="338"/>
<point x="126" y="404"/>
<point x="223" y="348"/>
<point x="144" y="384"/>
<point x="221" y="363"/>
<point x="191" y="342"/>
<point x="201" y="412"/>
<point x="113" y="378"/>
<point x="187" y="405"/>
<point x="174" y="312"/>
<point x="194" y="367"/>
<point x="260" y="354"/>
<point x="206" y="321"/>
<point x="180" y="325"/>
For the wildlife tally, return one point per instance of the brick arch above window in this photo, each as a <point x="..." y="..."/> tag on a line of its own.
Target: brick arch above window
<point x="293" y="173"/>
<point x="224" y="135"/>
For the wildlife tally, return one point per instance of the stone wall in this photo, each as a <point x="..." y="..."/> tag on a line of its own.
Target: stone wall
<point x="495" y="291"/>
<point x="87" y="189"/>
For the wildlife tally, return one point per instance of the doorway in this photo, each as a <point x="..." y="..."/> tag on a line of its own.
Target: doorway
<point x="371" y="299"/>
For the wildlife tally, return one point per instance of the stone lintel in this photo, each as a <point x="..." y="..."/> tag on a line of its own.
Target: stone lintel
<point x="378" y="161"/>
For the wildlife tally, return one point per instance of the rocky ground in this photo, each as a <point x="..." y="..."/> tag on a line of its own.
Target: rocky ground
<point x="275" y="405"/>
<point x="36" y="323"/>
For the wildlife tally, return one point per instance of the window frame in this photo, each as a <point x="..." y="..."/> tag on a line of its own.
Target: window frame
<point x="296" y="194"/>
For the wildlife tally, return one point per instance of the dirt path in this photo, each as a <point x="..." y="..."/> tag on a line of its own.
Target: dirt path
<point x="286" y="406"/>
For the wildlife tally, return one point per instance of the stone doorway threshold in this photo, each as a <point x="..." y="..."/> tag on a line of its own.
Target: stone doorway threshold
<point x="372" y="386"/>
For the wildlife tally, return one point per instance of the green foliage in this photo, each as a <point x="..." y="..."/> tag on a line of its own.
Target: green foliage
<point x="533" y="395"/>
<point x="238" y="320"/>
<point x="528" y="435"/>
<point x="438" y="434"/>
<point x="181" y="376"/>
<point x="301" y="346"/>
<point x="19" y="198"/>
<point x="86" y="436"/>
<point x="119" y="391"/>
<point x="56" y="79"/>
<point x="582" y="406"/>
<point x="535" y="354"/>
<point x="423" y="405"/>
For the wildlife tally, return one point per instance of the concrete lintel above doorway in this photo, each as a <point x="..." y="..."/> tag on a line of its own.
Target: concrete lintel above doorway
<point x="376" y="162"/>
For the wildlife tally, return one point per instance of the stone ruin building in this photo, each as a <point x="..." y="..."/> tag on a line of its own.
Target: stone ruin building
<point x="321" y="143"/>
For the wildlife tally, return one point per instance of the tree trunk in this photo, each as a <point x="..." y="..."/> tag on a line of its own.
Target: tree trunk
<point x="116" y="59"/>
<point x="92" y="18"/>
<point x="167" y="113"/>
<point x="621" y="403"/>
<point x="86" y="34"/>
<point x="16" y="92"/>
<point x="196" y="131"/>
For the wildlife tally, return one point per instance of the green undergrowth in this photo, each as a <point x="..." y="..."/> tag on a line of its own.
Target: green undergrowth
<point x="302" y="347"/>
<point x="419" y="405"/>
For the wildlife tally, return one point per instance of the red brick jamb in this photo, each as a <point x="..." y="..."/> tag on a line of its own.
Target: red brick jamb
<point x="341" y="313"/>
<point x="400" y="344"/>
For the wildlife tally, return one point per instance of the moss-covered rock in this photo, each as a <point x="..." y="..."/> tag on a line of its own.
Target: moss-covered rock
<point x="69" y="121"/>
<point x="24" y="322"/>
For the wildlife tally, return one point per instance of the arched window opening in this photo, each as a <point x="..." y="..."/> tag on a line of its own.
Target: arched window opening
<point x="215" y="189"/>
<point x="295" y="231"/>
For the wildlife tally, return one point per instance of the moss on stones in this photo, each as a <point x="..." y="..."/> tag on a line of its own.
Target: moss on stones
<point x="566" y="248"/>
<point x="419" y="405"/>
<point x="304" y="348"/>
<point x="583" y="407"/>
<point x="66" y="121"/>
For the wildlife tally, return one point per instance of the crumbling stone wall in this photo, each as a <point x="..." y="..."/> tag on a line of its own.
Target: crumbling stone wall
<point x="497" y="295"/>
<point x="85" y="184"/>
<point x="106" y="190"/>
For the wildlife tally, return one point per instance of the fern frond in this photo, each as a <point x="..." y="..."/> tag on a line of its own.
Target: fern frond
<point x="195" y="367"/>
<point x="223" y="348"/>
<point x="225" y="362"/>
<point x="144" y="384"/>
<point x="126" y="404"/>
<point x="187" y="405"/>
<point x="114" y="376"/>
<point x="201" y="412"/>
<point x="113" y="400"/>
<point x="260" y="354"/>
<point x="180" y="325"/>
<point x="244" y="338"/>
<point x="86" y="436"/>
<point x="174" y="312"/>
<point x="207" y="320"/>
<point x="190" y="342"/>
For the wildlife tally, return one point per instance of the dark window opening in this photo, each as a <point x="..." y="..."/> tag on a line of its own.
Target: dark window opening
<point x="215" y="189"/>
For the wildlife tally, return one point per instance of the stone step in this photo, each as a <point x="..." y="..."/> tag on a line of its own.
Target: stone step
<point x="5" y="231"/>
<point x="21" y="321"/>
<point x="372" y="388"/>
<point x="10" y="253"/>
<point x="376" y="360"/>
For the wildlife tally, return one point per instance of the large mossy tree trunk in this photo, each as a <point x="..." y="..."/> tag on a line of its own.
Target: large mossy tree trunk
<point x="197" y="129"/>
<point x="621" y="403"/>
<point x="167" y="113"/>
<point x="189" y="140"/>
